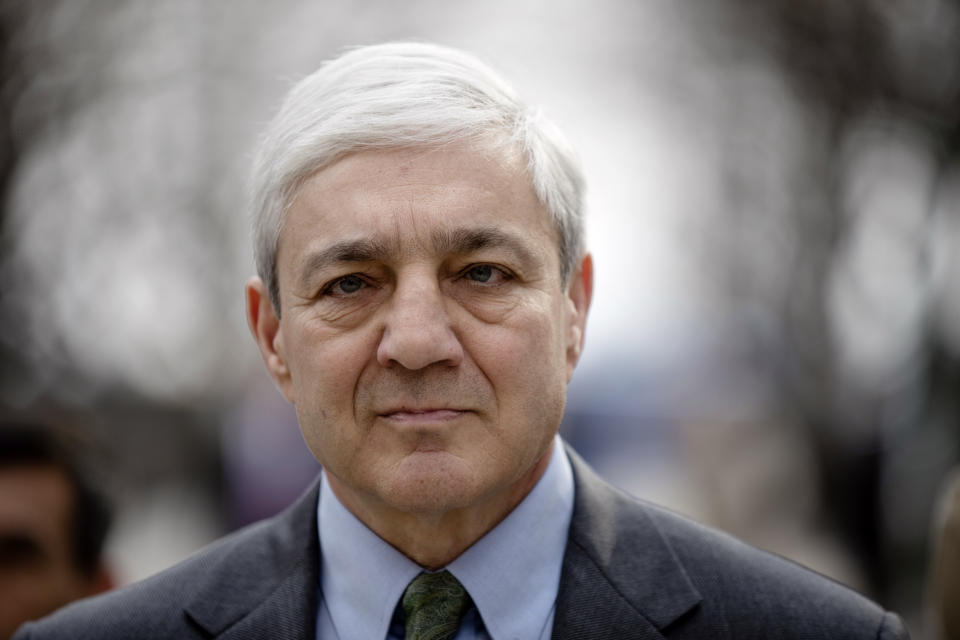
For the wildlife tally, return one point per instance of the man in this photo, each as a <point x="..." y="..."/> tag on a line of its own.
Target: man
<point x="52" y="528"/>
<point x="421" y="300"/>
<point x="944" y="566"/>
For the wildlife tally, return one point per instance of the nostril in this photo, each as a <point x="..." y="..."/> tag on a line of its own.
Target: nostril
<point x="418" y="345"/>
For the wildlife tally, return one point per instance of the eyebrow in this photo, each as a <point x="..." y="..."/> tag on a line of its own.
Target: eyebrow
<point x="468" y="240"/>
<point x="445" y="242"/>
<point x="20" y="549"/>
<point x="363" y="250"/>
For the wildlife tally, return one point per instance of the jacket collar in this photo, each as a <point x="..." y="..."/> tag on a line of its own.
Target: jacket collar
<point x="264" y="580"/>
<point x="621" y="578"/>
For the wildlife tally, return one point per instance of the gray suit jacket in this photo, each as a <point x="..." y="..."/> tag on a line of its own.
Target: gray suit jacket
<point x="630" y="571"/>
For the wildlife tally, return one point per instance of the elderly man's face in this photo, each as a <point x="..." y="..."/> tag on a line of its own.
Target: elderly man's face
<point x="426" y="339"/>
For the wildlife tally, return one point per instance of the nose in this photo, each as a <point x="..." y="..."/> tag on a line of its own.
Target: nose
<point x="417" y="330"/>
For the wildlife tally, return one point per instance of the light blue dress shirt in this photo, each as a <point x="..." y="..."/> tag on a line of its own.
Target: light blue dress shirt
<point x="512" y="573"/>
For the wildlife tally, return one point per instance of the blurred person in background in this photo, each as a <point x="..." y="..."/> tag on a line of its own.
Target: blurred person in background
<point x="944" y="587"/>
<point x="52" y="527"/>
<point x="421" y="299"/>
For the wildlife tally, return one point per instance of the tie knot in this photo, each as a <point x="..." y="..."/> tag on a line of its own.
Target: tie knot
<point x="433" y="604"/>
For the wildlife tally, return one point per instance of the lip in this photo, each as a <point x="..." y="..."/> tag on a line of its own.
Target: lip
<point x="422" y="416"/>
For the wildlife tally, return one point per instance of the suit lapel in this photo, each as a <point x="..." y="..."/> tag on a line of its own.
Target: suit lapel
<point x="620" y="578"/>
<point x="266" y="586"/>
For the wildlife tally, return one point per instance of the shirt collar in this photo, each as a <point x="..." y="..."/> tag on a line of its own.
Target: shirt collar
<point x="361" y="576"/>
<point x="512" y="573"/>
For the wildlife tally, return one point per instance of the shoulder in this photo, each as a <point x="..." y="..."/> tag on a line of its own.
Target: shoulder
<point x="220" y="582"/>
<point x="700" y="582"/>
<point x="753" y="591"/>
<point x="154" y="607"/>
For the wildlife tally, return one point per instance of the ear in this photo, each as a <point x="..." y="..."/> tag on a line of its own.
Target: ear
<point x="579" y="295"/>
<point x="265" y="326"/>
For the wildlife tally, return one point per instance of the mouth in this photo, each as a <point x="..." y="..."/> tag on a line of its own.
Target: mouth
<point x="406" y="415"/>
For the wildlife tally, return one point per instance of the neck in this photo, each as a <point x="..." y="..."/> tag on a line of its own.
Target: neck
<point x="434" y="539"/>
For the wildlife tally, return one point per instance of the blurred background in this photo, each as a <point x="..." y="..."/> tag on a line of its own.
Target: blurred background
<point x="774" y="210"/>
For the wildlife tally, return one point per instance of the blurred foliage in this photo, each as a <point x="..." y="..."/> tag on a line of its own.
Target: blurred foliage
<point x="860" y="329"/>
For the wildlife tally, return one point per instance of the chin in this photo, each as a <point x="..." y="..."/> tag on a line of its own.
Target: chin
<point x="433" y="482"/>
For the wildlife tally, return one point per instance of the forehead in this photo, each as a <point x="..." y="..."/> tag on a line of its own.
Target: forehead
<point x="406" y="198"/>
<point x="34" y="499"/>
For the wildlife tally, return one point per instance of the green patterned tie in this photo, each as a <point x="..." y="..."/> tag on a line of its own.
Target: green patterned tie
<point x="433" y="605"/>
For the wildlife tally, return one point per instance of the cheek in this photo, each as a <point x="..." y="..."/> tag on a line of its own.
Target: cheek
<point x="325" y="370"/>
<point x="525" y="362"/>
<point x="324" y="363"/>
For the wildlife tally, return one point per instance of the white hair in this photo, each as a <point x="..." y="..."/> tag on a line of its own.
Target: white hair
<point x="399" y="95"/>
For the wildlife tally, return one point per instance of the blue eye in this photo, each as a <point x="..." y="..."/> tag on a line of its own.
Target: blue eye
<point x="480" y="273"/>
<point x="347" y="285"/>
